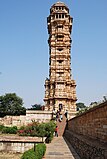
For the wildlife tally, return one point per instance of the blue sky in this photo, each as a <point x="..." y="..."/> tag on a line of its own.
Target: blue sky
<point x="24" y="52"/>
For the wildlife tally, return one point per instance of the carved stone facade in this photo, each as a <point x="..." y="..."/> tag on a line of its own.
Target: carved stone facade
<point x="60" y="87"/>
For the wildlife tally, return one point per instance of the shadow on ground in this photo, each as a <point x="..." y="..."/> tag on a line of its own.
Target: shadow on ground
<point x="75" y="155"/>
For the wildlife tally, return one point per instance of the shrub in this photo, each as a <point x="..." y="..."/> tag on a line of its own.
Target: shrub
<point x="10" y="130"/>
<point x="40" y="150"/>
<point x="49" y="138"/>
<point x="37" y="154"/>
<point x="30" y="154"/>
<point x="50" y="128"/>
<point x="1" y="127"/>
<point x="29" y="130"/>
<point x="40" y="130"/>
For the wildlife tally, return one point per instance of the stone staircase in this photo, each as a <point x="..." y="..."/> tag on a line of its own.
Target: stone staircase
<point x="59" y="148"/>
<point x="61" y="126"/>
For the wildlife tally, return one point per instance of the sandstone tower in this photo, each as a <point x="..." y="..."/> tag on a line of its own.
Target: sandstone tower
<point x="60" y="87"/>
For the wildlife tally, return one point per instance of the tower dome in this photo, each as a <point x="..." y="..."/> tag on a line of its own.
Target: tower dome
<point x="59" y="3"/>
<point x="59" y="6"/>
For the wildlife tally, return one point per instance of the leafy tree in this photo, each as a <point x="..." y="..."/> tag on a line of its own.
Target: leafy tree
<point x="80" y="106"/>
<point x="105" y="98"/>
<point x="92" y="104"/>
<point x="82" y="111"/>
<point x="36" y="107"/>
<point x="11" y="104"/>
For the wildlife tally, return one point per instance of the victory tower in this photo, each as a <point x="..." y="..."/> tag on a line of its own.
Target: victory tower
<point x="60" y="87"/>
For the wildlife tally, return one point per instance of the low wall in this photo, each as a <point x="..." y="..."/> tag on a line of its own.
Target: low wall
<point x="13" y="120"/>
<point x="31" y="115"/>
<point x="88" y="133"/>
<point x="40" y="116"/>
<point x="16" y="144"/>
<point x="15" y="147"/>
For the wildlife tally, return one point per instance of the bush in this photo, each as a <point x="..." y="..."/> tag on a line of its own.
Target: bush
<point x="39" y="129"/>
<point x="37" y="154"/>
<point x="29" y="130"/>
<point x="49" y="138"/>
<point x="50" y="128"/>
<point x="40" y="150"/>
<point x="30" y="154"/>
<point x="10" y="130"/>
<point x="1" y="127"/>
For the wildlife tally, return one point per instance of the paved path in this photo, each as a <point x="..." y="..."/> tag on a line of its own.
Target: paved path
<point x="59" y="149"/>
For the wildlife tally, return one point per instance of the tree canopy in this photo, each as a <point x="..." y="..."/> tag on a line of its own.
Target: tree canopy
<point x="80" y="106"/>
<point x="11" y="104"/>
<point x="36" y="107"/>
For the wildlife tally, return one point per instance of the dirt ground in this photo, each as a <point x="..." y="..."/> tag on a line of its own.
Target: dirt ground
<point x="10" y="156"/>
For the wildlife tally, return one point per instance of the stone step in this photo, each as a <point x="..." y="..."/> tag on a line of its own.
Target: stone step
<point x="61" y="126"/>
<point x="59" y="149"/>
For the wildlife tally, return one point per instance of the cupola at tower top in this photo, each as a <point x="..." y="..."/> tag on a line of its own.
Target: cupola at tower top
<point x="58" y="7"/>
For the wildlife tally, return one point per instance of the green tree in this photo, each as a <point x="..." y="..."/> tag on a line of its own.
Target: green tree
<point x="11" y="104"/>
<point x="105" y="98"/>
<point x="36" y="107"/>
<point x="80" y="106"/>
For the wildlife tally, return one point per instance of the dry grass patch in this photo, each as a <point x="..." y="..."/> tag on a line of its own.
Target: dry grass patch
<point x="10" y="155"/>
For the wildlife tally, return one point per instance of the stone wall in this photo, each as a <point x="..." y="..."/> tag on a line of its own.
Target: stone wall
<point x="88" y="133"/>
<point x="18" y="144"/>
<point x="92" y="123"/>
<point x="41" y="116"/>
<point x="13" y="120"/>
<point x="18" y="147"/>
<point x="86" y="148"/>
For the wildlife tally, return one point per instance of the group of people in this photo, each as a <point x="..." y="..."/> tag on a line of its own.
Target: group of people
<point x="57" y="115"/>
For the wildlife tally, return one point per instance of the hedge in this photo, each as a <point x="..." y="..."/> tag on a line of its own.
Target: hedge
<point x="39" y="130"/>
<point x="10" y="130"/>
<point x="1" y="127"/>
<point x="37" y="154"/>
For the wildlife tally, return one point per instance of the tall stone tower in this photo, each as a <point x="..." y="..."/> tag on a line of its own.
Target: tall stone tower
<point x="60" y="87"/>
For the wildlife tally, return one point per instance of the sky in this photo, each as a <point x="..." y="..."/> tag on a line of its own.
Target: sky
<point x="24" y="51"/>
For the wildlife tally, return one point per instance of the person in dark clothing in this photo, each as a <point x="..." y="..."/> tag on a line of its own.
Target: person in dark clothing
<point x="57" y="115"/>
<point x="66" y="114"/>
<point x="56" y="131"/>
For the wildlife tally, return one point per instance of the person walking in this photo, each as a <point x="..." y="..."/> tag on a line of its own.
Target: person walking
<point x="60" y="119"/>
<point x="54" y="114"/>
<point x="57" y="115"/>
<point x="66" y="114"/>
<point x="56" y="131"/>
